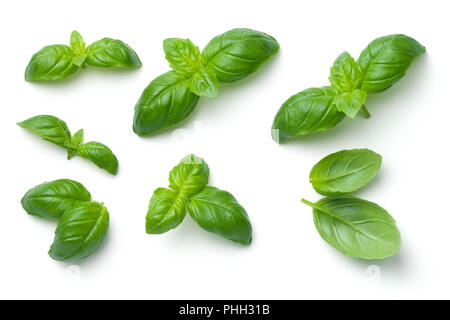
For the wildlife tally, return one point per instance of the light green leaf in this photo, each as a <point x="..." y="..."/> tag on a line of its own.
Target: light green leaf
<point x="204" y="84"/>
<point x="99" y="154"/>
<point x="189" y="176"/>
<point x="183" y="56"/>
<point x="345" y="74"/>
<point x="48" y="128"/>
<point x="77" y="43"/>
<point x="165" y="212"/>
<point x="350" y="102"/>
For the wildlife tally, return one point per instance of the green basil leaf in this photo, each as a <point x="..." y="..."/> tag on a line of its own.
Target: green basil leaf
<point x="77" y="43"/>
<point x="306" y="112"/>
<point x="75" y="141"/>
<point x="189" y="176"/>
<point x="112" y="53"/>
<point x="183" y="56"/>
<point x="350" y="102"/>
<point x="237" y="53"/>
<point x="358" y="228"/>
<point x="80" y="231"/>
<point x="386" y="60"/>
<point x="99" y="154"/>
<point x="165" y="212"/>
<point x="345" y="74"/>
<point x="219" y="212"/>
<point x="48" y="128"/>
<point x="204" y="84"/>
<point x="344" y="171"/>
<point x="164" y="103"/>
<point x="51" y="63"/>
<point x="52" y="199"/>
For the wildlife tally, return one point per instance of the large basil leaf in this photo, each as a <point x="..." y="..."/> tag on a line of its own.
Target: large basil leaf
<point x="164" y="103"/>
<point x="344" y="171"/>
<point x="48" y="128"/>
<point x="219" y="212"/>
<point x="237" y="53"/>
<point x="309" y="111"/>
<point x="52" y="199"/>
<point x="345" y="74"/>
<point x="358" y="228"/>
<point x="112" y="53"/>
<point x="183" y="56"/>
<point x="350" y="102"/>
<point x="80" y="231"/>
<point x="189" y="176"/>
<point x="165" y="212"/>
<point x="99" y="154"/>
<point x="51" y="63"/>
<point x="386" y="60"/>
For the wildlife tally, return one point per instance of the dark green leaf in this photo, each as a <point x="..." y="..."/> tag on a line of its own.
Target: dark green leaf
<point x="80" y="231"/>
<point x="189" y="176"/>
<point x="52" y="199"/>
<point x="112" y="53"/>
<point x="165" y="212"/>
<point x="48" y="128"/>
<point x="99" y="154"/>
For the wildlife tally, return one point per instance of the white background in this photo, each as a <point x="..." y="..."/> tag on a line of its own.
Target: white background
<point x="287" y="259"/>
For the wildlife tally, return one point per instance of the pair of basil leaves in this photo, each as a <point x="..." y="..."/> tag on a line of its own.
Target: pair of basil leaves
<point x="213" y="209"/>
<point x="383" y="63"/>
<point x="83" y="224"/>
<point x="356" y="227"/>
<point x="58" y="61"/>
<point x="56" y="131"/>
<point x="171" y="97"/>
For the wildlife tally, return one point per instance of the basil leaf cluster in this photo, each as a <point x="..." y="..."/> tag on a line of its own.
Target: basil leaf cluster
<point x="171" y="97"/>
<point x="356" y="227"/>
<point x="55" y="130"/>
<point x="213" y="209"/>
<point x="83" y="224"/>
<point x="59" y="61"/>
<point x="382" y="64"/>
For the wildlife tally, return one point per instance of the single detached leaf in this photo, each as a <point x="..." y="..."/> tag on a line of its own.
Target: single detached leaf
<point x="205" y="84"/>
<point x="189" y="176"/>
<point x="77" y="43"/>
<point x="80" y="231"/>
<point x="350" y="102"/>
<point x="307" y="112"/>
<point x="219" y="212"/>
<point x="386" y="60"/>
<point x="344" y="171"/>
<point x="75" y="141"/>
<point x="51" y="63"/>
<point x="52" y="199"/>
<point x="345" y="74"/>
<point x="112" y="53"/>
<point x="164" y="103"/>
<point x="237" y="53"/>
<point x="165" y="212"/>
<point x="183" y="56"/>
<point x="48" y="128"/>
<point x="358" y="228"/>
<point x="99" y="154"/>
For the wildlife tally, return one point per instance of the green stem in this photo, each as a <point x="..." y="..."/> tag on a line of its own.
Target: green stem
<point x="308" y="203"/>
<point x="365" y="113"/>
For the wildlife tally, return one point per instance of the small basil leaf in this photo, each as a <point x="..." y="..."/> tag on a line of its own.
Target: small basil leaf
<point x="99" y="154"/>
<point x="345" y="74"/>
<point x="350" y="102"/>
<point x="219" y="212"/>
<point x="165" y="212"/>
<point x="358" y="228"/>
<point x="77" y="43"/>
<point x="164" y="103"/>
<point x="80" y="231"/>
<point x="183" y="56"/>
<point x="189" y="176"/>
<point x="204" y="84"/>
<point x="237" y="53"/>
<point x="309" y="111"/>
<point x="386" y="60"/>
<point x="51" y="63"/>
<point x="344" y="171"/>
<point x="52" y="199"/>
<point x="76" y="140"/>
<point x="48" y="128"/>
<point x="112" y="53"/>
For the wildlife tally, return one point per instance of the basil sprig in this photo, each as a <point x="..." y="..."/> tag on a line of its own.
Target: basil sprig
<point x="83" y="224"/>
<point x="213" y="209"/>
<point x="55" y="130"/>
<point x="171" y="97"/>
<point x="382" y="64"/>
<point x="58" y="61"/>
<point x="356" y="227"/>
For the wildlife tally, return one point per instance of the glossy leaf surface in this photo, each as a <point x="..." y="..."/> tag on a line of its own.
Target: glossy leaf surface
<point x="99" y="154"/>
<point x="48" y="128"/>
<point x="189" y="176"/>
<point x="112" y="53"/>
